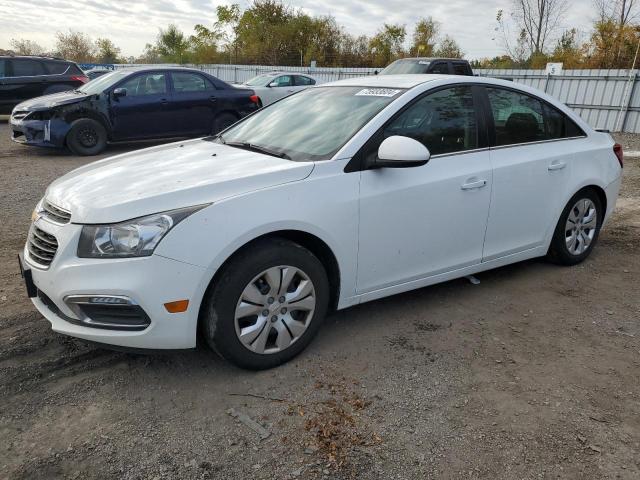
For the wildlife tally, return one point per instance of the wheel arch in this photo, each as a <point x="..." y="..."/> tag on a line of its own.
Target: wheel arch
<point x="311" y="242"/>
<point x="74" y="115"/>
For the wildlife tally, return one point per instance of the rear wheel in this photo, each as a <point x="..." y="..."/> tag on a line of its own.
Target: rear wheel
<point x="267" y="305"/>
<point x="223" y="121"/>
<point x="578" y="228"/>
<point x="86" y="137"/>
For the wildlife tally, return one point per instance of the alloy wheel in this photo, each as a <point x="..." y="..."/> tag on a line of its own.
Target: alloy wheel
<point x="581" y="225"/>
<point x="275" y="309"/>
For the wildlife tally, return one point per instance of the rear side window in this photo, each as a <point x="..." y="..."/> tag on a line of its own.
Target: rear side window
<point x="189" y="82"/>
<point x="304" y="81"/>
<point x="441" y="67"/>
<point x="27" y="68"/>
<point x="460" y="69"/>
<point x="3" y="68"/>
<point x="444" y="121"/>
<point x="57" y="68"/>
<point x="521" y="118"/>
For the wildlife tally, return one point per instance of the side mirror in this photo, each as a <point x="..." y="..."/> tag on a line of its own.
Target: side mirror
<point x="119" y="92"/>
<point x="273" y="84"/>
<point x="401" y="152"/>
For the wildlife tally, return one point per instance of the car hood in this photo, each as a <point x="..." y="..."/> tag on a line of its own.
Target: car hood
<point x="53" y="100"/>
<point x="167" y="177"/>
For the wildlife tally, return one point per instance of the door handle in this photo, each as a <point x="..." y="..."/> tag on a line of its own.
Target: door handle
<point x="474" y="185"/>
<point x="164" y="101"/>
<point x="212" y="98"/>
<point x="289" y="91"/>
<point x="557" y="166"/>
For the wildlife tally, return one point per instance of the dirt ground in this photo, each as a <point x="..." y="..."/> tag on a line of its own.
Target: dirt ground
<point x="534" y="373"/>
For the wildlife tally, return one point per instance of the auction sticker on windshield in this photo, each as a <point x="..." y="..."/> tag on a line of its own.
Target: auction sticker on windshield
<point x="378" y="92"/>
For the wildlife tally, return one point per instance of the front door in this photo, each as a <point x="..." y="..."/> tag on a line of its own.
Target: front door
<point x="422" y="221"/>
<point x="144" y="111"/>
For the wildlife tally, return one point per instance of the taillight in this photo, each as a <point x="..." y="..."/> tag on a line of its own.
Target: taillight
<point x="255" y="99"/>
<point x="80" y="78"/>
<point x="617" y="149"/>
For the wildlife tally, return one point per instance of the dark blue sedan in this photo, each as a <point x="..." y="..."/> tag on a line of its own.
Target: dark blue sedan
<point x="129" y="104"/>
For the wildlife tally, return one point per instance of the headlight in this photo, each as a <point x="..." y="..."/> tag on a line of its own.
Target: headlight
<point x="134" y="238"/>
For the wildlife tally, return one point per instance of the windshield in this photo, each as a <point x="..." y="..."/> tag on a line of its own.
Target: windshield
<point x="103" y="82"/>
<point x="406" y="66"/>
<point x="313" y="124"/>
<point x="259" y="81"/>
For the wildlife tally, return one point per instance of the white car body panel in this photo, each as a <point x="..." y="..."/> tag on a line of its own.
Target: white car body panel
<point x="390" y="230"/>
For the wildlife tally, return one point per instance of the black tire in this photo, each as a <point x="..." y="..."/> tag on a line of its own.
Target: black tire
<point x="222" y="121"/>
<point x="558" y="251"/>
<point x="86" y="137"/>
<point x="218" y="315"/>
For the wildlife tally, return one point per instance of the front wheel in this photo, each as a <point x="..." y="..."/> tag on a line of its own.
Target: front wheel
<point x="578" y="228"/>
<point x="267" y="304"/>
<point x="86" y="137"/>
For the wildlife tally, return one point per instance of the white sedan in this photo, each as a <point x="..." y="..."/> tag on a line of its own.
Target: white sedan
<point x="341" y="194"/>
<point x="273" y="86"/>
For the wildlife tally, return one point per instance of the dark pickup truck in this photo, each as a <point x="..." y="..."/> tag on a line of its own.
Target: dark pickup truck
<point x="445" y="66"/>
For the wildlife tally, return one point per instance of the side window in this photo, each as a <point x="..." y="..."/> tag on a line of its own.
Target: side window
<point x="304" y="81"/>
<point x="145" y="84"/>
<point x="558" y="125"/>
<point x="444" y="121"/>
<point x="27" y="68"/>
<point x="459" y="69"/>
<point x="3" y="68"/>
<point x="518" y="118"/>
<point x="440" y="67"/>
<point x="56" y="68"/>
<point x="284" y="81"/>
<point x="190" y="82"/>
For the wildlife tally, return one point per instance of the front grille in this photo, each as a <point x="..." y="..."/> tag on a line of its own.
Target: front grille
<point x="41" y="246"/>
<point x="55" y="214"/>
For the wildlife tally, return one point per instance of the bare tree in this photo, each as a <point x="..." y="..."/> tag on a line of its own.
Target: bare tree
<point x="621" y="11"/>
<point x="23" y="46"/>
<point x="536" y="22"/>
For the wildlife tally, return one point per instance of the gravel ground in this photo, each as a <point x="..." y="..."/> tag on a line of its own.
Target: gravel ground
<point x="532" y="374"/>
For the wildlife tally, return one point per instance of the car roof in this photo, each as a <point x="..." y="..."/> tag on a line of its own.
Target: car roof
<point x="37" y="57"/>
<point x="431" y="59"/>
<point x="284" y="72"/>
<point x="388" y="81"/>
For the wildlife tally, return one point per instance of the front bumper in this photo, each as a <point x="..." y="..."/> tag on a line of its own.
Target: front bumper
<point x="149" y="282"/>
<point x="39" y="133"/>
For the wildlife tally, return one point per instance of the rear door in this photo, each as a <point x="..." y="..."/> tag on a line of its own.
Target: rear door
<point x="532" y="159"/>
<point x="6" y="101"/>
<point x="144" y="111"/>
<point x="27" y="79"/>
<point x="301" y="82"/>
<point x="194" y="102"/>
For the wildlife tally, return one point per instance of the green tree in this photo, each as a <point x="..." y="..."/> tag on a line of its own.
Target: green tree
<point x="106" y="51"/>
<point x="386" y="45"/>
<point x="425" y="37"/>
<point x="172" y="45"/>
<point x="75" y="46"/>
<point x="204" y="44"/>
<point x="448" y="48"/>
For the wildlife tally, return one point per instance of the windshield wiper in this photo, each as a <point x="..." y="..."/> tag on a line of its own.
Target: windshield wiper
<point x="257" y="148"/>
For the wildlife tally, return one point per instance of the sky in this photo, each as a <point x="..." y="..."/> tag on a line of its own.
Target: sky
<point x="131" y="24"/>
